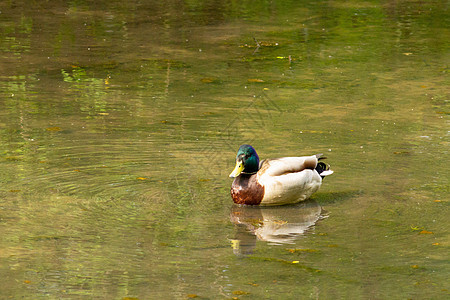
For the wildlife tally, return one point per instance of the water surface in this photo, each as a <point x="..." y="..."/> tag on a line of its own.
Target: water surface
<point x="119" y="124"/>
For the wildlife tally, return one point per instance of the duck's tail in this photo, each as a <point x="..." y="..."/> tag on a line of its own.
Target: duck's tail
<point x="322" y="168"/>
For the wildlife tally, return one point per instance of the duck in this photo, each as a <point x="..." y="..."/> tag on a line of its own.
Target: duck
<point x="279" y="181"/>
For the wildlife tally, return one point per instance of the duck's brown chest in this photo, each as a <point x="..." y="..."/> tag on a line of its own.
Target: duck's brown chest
<point x="246" y="190"/>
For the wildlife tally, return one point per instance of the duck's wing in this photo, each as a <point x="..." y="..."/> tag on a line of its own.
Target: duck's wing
<point x="290" y="187"/>
<point x="285" y="165"/>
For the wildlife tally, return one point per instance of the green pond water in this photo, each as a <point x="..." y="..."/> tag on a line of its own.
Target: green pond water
<point x="120" y="122"/>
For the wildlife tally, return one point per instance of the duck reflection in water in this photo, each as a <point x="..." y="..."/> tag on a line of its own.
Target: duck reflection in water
<point x="275" y="225"/>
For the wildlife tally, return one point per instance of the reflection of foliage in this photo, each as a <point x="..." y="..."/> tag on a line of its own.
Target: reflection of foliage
<point x="79" y="74"/>
<point x="90" y="88"/>
<point x="18" y="84"/>
<point x="14" y="37"/>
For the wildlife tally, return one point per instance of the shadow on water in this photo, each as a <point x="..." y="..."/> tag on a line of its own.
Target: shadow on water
<point x="275" y="225"/>
<point x="336" y="197"/>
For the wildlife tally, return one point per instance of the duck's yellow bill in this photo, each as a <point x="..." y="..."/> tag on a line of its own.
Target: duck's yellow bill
<point x="238" y="169"/>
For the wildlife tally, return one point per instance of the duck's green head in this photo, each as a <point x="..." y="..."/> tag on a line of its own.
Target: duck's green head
<point x="247" y="161"/>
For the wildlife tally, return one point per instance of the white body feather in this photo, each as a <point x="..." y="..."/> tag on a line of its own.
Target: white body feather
<point x="289" y="180"/>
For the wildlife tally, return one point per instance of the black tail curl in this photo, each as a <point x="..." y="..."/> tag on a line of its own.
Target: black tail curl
<point x="322" y="167"/>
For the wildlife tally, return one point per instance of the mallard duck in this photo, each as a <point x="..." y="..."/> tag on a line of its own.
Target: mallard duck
<point x="279" y="181"/>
